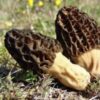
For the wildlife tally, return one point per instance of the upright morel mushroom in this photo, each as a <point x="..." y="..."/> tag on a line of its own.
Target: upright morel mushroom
<point x="43" y="54"/>
<point x="78" y="35"/>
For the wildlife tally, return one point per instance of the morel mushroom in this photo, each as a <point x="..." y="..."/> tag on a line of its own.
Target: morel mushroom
<point x="43" y="54"/>
<point x="78" y="35"/>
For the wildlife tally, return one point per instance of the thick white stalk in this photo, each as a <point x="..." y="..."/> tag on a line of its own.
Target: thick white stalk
<point x="91" y="62"/>
<point x="71" y="75"/>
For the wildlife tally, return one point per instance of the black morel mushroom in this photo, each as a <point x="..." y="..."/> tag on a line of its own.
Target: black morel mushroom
<point x="43" y="54"/>
<point x="78" y="35"/>
<point x="29" y="48"/>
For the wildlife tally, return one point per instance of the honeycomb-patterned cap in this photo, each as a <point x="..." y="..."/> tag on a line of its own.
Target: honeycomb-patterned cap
<point x="31" y="50"/>
<point x="76" y="31"/>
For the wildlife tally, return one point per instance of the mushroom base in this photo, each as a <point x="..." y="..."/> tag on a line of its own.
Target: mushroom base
<point x="71" y="75"/>
<point x="91" y="62"/>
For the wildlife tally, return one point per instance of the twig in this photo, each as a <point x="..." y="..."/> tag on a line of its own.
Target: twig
<point x="94" y="98"/>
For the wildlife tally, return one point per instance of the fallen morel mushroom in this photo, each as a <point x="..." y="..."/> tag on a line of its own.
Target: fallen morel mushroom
<point x="78" y="35"/>
<point x="43" y="54"/>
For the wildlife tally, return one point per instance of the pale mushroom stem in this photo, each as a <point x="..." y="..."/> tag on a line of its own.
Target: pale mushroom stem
<point x="90" y="61"/>
<point x="71" y="75"/>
